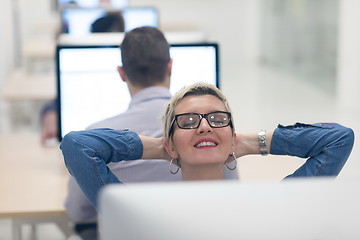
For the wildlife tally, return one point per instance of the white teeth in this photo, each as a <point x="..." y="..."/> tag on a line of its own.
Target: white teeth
<point x="203" y="144"/>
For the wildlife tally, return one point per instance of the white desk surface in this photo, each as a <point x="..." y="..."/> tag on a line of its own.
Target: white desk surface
<point x="24" y="86"/>
<point x="33" y="179"/>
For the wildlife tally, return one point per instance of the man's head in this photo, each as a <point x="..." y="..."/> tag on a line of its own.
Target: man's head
<point x="111" y="22"/>
<point x="145" y="57"/>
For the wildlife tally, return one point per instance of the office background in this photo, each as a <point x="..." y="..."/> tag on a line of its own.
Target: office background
<point x="262" y="42"/>
<point x="282" y="61"/>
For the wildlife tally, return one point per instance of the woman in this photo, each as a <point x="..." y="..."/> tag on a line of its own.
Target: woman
<point x="199" y="138"/>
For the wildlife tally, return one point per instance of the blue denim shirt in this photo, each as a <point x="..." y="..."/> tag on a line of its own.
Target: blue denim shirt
<point x="87" y="153"/>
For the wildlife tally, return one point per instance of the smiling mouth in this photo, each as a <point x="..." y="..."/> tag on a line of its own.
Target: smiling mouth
<point x="206" y="144"/>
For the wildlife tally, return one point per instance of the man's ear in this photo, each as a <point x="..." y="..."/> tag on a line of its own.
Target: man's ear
<point x="169" y="147"/>
<point x="121" y="72"/>
<point x="234" y="142"/>
<point x="169" y="67"/>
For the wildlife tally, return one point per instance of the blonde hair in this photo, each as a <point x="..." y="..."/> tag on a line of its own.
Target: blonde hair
<point x="196" y="89"/>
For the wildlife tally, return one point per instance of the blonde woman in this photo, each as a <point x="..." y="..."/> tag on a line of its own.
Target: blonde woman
<point x="200" y="139"/>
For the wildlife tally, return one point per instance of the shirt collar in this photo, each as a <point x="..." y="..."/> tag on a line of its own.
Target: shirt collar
<point x="150" y="93"/>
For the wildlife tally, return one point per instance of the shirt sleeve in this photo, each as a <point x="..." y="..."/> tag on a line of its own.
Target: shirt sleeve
<point x="87" y="153"/>
<point x="326" y="145"/>
<point x="78" y="207"/>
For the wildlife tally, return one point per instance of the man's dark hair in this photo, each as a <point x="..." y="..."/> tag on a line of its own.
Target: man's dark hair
<point x="111" y="22"/>
<point x="145" y="56"/>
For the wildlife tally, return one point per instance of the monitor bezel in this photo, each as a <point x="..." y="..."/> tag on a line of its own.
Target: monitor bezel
<point x="61" y="47"/>
<point x="65" y="10"/>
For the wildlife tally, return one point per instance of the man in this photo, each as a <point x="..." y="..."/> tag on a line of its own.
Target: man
<point x="110" y="22"/>
<point x="146" y="70"/>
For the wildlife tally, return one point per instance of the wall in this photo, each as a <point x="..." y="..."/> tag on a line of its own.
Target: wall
<point x="39" y="19"/>
<point x="6" y="46"/>
<point x="7" y="53"/>
<point x="349" y="55"/>
<point x="300" y="37"/>
<point x="234" y="24"/>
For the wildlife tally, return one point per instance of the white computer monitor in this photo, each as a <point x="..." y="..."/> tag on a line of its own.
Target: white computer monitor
<point x="77" y="21"/>
<point x="116" y="4"/>
<point x="302" y="209"/>
<point x="140" y="16"/>
<point x="89" y="87"/>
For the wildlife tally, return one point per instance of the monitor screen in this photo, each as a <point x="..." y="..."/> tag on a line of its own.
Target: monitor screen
<point x="137" y="16"/>
<point x="77" y="21"/>
<point x="87" y="79"/>
<point x="117" y="4"/>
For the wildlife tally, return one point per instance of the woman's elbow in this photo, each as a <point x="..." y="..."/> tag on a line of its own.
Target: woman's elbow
<point x="71" y="149"/>
<point x="68" y="142"/>
<point x="348" y="137"/>
<point x="345" y="141"/>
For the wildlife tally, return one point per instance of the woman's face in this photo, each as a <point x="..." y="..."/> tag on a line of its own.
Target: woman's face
<point x="202" y="145"/>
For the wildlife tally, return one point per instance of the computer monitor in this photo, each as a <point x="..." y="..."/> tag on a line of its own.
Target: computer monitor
<point x="89" y="87"/>
<point x="301" y="209"/>
<point x="116" y="4"/>
<point x="140" y="16"/>
<point x="77" y="21"/>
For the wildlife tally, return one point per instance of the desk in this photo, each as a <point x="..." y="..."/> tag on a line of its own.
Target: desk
<point x="27" y="86"/>
<point x="33" y="182"/>
<point x="26" y="93"/>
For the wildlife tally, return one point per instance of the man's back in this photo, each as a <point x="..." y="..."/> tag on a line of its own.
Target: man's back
<point x="144" y="117"/>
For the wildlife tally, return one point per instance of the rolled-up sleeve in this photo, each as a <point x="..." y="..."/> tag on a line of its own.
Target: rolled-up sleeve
<point x="326" y="145"/>
<point x="87" y="153"/>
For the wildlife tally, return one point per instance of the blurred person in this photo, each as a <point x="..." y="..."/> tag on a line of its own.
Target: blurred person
<point x="49" y="124"/>
<point x="110" y="22"/>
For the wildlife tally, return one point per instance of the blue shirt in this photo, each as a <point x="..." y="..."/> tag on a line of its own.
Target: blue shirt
<point x="88" y="153"/>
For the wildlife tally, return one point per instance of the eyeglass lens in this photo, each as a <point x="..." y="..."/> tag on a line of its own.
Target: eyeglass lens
<point x="215" y="119"/>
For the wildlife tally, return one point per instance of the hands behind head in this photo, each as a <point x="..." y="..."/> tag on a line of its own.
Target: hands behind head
<point x="153" y="148"/>
<point x="246" y="144"/>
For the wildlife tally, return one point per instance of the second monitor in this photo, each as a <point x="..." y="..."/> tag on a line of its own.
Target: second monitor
<point x="78" y="21"/>
<point x="90" y="88"/>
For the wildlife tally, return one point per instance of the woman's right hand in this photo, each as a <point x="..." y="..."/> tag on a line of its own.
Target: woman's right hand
<point x="153" y="148"/>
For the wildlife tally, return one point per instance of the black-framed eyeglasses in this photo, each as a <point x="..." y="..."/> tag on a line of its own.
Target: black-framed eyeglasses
<point x="217" y="119"/>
